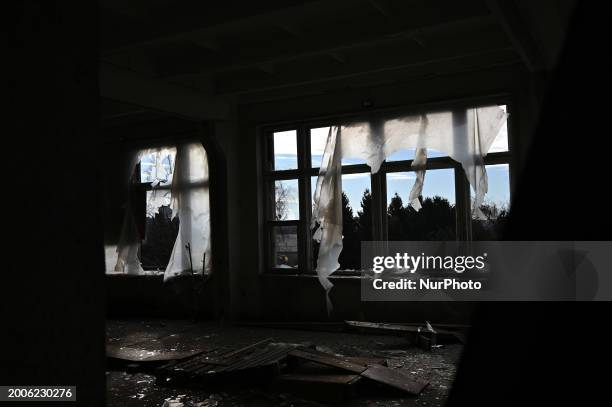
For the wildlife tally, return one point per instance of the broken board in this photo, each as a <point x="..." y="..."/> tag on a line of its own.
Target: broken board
<point x="381" y="374"/>
<point x="327" y="360"/>
<point x="395" y="378"/>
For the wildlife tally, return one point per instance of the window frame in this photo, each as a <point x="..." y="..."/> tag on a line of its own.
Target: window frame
<point x="140" y="189"/>
<point x="378" y="181"/>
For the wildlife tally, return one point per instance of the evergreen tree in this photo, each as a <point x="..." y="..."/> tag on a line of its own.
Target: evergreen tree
<point x="350" y="256"/>
<point x="364" y="216"/>
<point x="492" y="227"/>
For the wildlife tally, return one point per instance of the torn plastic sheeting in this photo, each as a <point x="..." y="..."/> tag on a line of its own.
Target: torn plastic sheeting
<point x="465" y="136"/>
<point x="189" y="201"/>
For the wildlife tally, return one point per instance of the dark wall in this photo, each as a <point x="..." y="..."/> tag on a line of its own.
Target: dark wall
<point x="52" y="289"/>
<point x="148" y="296"/>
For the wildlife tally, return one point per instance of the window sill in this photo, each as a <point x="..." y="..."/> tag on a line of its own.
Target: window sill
<point x="159" y="277"/>
<point x="311" y="276"/>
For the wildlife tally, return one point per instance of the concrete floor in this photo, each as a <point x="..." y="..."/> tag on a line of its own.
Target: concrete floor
<point x="129" y="386"/>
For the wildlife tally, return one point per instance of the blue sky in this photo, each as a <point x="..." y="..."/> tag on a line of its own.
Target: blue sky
<point x="437" y="182"/>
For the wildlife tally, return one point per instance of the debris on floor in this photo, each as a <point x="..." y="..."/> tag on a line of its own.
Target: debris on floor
<point x="424" y="336"/>
<point x="358" y="364"/>
<point x="375" y="372"/>
<point x="138" y="354"/>
<point x="262" y="354"/>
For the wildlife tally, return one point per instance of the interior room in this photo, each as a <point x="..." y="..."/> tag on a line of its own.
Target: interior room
<point x="252" y="93"/>
<point x="245" y="158"/>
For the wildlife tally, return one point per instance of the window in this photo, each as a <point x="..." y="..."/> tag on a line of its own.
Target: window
<point x="284" y="207"/>
<point x="374" y="206"/>
<point x="152" y="180"/>
<point x="166" y="220"/>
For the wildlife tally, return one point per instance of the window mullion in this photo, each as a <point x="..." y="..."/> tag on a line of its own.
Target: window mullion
<point x="304" y="161"/>
<point x="463" y="229"/>
<point x="377" y="206"/>
<point x="383" y="199"/>
<point x="462" y="206"/>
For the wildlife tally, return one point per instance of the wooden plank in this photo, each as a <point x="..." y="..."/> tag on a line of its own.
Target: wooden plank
<point x="213" y="361"/>
<point x="302" y="326"/>
<point x="246" y="348"/>
<point x="381" y="328"/>
<point x="343" y="379"/>
<point x="394" y="378"/>
<point x="328" y="388"/>
<point x="365" y="360"/>
<point x="271" y="354"/>
<point x="327" y="360"/>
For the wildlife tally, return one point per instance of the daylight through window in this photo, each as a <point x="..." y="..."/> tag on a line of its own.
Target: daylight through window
<point x="374" y="206"/>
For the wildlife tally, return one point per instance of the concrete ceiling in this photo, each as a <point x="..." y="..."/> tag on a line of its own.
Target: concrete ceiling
<point x="215" y="55"/>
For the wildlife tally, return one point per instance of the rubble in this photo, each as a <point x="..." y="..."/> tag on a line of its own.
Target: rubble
<point x="309" y="372"/>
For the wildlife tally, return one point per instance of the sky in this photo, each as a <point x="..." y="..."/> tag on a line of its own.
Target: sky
<point x="437" y="182"/>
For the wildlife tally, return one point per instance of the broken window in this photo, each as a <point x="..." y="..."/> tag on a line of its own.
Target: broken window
<point x="158" y="226"/>
<point x="401" y="177"/>
<point x="166" y="227"/>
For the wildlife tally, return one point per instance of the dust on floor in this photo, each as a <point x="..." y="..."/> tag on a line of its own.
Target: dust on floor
<point x="126" y="386"/>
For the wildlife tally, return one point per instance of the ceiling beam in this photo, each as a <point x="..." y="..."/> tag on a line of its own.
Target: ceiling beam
<point x="334" y="50"/>
<point x="461" y="59"/>
<point x="127" y="86"/>
<point x="509" y="18"/>
<point x="286" y="15"/>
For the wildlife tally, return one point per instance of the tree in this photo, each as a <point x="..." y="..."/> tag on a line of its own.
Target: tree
<point x="492" y="227"/>
<point x="397" y="218"/>
<point x="350" y="257"/>
<point x="435" y="220"/>
<point x="364" y="216"/>
<point x="161" y="232"/>
<point x="281" y="199"/>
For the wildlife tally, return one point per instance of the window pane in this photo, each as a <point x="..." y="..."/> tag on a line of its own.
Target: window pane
<point x="161" y="230"/>
<point x="284" y="246"/>
<point x="500" y="143"/>
<point x="436" y="219"/>
<point x="285" y="150"/>
<point x="157" y="167"/>
<point x="286" y="200"/>
<point x="313" y="188"/>
<point x="356" y="218"/>
<point x="318" y="140"/>
<point x="496" y="204"/>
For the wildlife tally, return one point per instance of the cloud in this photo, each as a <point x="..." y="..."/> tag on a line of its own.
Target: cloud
<point x="363" y="175"/>
<point x="401" y="176"/>
<point x="285" y="142"/>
